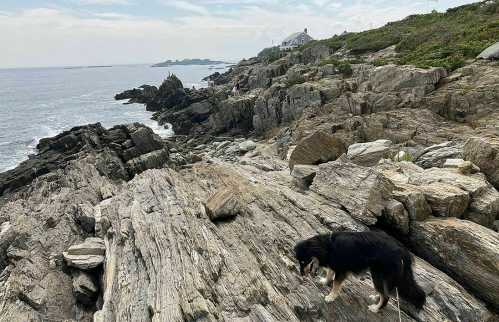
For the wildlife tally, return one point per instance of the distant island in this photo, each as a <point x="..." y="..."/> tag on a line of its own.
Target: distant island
<point x="195" y="61"/>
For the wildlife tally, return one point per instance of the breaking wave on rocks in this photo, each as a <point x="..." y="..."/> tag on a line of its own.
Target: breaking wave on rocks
<point x="42" y="102"/>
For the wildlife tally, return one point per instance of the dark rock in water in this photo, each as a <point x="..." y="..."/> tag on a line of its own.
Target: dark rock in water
<point x="143" y="95"/>
<point x="112" y="147"/>
<point x="212" y="77"/>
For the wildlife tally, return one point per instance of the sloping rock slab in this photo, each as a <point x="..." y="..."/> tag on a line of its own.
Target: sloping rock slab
<point x="465" y="250"/>
<point x="362" y="191"/>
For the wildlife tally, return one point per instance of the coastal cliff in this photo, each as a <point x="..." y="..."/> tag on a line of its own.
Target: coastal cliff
<point x="120" y="225"/>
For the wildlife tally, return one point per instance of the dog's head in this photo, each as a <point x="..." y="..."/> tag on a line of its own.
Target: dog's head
<point x="309" y="264"/>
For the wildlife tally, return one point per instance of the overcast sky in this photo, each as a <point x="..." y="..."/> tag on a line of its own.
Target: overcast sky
<point x="95" y="32"/>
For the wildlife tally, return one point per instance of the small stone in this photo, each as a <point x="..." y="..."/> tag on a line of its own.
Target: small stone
<point x="223" y="204"/>
<point x="246" y="146"/>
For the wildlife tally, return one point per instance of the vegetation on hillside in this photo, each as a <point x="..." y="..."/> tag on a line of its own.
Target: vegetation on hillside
<point x="271" y="54"/>
<point x="435" y="39"/>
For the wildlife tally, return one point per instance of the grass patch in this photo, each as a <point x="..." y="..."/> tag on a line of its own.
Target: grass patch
<point x="430" y="40"/>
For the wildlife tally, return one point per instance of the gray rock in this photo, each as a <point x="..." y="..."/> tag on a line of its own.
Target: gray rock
<point x="361" y="190"/>
<point x="464" y="249"/>
<point x="247" y="146"/>
<point x="84" y="288"/>
<point x="369" y="153"/>
<point x="484" y="152"/>
<point x="152" y="160"/>
<point x="396" y="216"/>
<point x="436" y="155"/>
<point x="86" y="255"/>
<point x="491" y="52"/>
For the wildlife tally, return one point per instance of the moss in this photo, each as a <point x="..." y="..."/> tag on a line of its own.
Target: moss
<point x="435" y="39"/>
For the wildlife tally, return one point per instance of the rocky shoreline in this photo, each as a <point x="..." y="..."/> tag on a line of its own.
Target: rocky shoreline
<point x="121" y="225"/>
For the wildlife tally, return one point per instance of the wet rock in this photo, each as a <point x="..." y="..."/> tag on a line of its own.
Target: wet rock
<point x="369" y="153"/>
<point x="317" y="148"/>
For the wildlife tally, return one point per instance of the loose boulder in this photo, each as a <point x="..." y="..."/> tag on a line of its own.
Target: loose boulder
<point x="491" y="52"/>
<point x="86" y="255"/>
<point x="369" y="153"/>
<point x="317" y="148"/>
<point x="224" y="204"/>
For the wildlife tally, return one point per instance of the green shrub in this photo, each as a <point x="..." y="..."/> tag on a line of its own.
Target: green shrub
<point x="430" y="40"/>
<point x="270" y="55"/>
<point x="343" y="66"/>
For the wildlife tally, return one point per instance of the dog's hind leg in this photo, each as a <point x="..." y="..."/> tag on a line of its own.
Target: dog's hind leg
<point x="329" y="277"/>
<point x="339" y="278"/>
<point x="383" y="290"/>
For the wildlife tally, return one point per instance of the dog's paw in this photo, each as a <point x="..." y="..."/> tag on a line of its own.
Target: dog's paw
<point x="330" y="299"/>
<point x="373" y="308"/>
<point x="374" y="298"/>
<point x="324" y="281"/>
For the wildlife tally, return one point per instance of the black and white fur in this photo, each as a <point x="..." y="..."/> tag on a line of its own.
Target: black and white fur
<point x="345" y="253"/>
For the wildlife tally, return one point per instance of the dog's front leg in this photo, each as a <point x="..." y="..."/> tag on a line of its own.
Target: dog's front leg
<point x="329" y="277"/>
<point x="335" y="291"/>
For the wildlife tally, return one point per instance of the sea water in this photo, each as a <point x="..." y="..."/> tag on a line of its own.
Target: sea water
<point x="42" y="102"/>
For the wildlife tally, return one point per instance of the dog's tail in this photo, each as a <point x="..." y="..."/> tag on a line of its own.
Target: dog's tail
<point x="408" y="289"/>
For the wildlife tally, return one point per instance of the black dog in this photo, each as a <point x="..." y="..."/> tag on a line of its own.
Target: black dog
<point x="347" y="253"/>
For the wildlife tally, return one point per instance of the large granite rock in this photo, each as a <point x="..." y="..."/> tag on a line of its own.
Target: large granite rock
<point x="317" y="148"/>
<point x="484" y="152"/>
<point x="369" y="153"/>
<point x="362" y="191"/>
<point x="465" y="250"/>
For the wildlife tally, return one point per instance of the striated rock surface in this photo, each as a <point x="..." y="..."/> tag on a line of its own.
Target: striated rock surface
<point x="317" y="148"/>
<point x="464" y="249"/>
<point x="484" y="152"/>
<point x="369" y="153"/>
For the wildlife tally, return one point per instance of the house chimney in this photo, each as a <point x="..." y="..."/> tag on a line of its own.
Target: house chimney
<point x="306" y="30"/>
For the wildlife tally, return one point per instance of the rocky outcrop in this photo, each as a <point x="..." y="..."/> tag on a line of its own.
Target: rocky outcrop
<point x="362" y="191"/>
<point x="117" y="150"/>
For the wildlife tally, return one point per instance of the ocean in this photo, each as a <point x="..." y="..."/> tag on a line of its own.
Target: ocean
<point x="42" y="102"/>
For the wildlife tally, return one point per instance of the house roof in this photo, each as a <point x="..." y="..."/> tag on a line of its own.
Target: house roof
<point x="296" y="35"/>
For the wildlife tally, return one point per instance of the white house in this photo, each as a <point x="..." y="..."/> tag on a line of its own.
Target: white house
<point x="295" y="40"/>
